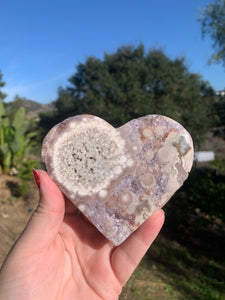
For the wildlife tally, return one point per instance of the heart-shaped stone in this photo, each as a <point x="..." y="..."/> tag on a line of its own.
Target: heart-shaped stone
<point x="118" y="177"/>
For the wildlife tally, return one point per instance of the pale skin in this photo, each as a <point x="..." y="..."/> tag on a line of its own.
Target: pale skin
<point x="61" y="256"/>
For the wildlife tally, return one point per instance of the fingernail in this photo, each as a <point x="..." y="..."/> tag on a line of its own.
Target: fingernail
<point x="36" y="178"/>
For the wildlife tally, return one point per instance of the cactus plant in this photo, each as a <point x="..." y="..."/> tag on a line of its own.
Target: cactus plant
<point x="6" y="135"/>
<point x="13" y="139"/>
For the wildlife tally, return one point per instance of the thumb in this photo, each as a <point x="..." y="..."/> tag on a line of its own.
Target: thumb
<point x="46" y="220"/>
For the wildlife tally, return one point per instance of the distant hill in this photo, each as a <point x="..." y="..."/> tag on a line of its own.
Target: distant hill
<point x="32" y="108"/>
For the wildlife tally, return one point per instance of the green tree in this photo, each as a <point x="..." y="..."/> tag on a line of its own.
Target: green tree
<point x="212" y="19"/>
<point x="219" y="111"/>
<point x="2" y="95"/>
<point x="131" y="83"/>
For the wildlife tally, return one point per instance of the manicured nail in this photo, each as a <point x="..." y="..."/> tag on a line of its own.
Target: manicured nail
<point x="36" y="178"/>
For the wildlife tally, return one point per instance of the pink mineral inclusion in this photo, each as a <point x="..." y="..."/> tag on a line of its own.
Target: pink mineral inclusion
<point x="118" y="177"/>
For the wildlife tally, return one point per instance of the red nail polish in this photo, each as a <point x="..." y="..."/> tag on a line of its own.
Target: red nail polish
<point x="36" y="178"/>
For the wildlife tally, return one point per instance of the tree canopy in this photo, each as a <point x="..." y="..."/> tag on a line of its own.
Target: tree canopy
<point x="212" y="19"/>
<point x="131" y="83"/>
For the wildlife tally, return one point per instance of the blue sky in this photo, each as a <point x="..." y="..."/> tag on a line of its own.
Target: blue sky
<point x="42" y="42"/>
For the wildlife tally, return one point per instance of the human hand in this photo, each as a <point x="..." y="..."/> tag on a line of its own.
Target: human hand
<point x="60" y="255"/>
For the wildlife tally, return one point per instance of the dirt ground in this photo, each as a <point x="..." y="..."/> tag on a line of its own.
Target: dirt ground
<point x="14" y="212"/>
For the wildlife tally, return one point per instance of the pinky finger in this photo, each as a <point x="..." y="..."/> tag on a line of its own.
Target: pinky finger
<point x="126" y="257"/>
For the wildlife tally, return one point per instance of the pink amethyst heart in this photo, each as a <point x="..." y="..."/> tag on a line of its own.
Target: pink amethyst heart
<point x="118" y="177"/>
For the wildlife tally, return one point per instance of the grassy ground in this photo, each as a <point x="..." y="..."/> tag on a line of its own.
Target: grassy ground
<point x="172" y="271"/>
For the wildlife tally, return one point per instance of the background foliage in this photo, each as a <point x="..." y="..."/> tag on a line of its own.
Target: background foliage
<point x="212" y="23"/>
<point x="131" y="83"/>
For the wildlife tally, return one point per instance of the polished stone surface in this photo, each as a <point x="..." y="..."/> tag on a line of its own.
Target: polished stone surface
<point x="118" y="177"/>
